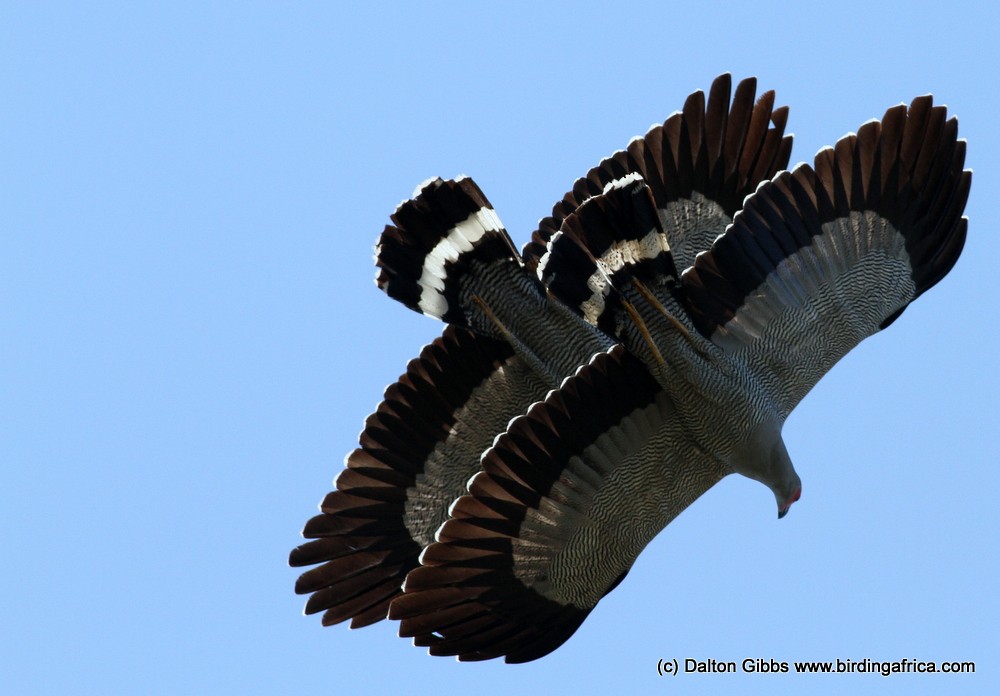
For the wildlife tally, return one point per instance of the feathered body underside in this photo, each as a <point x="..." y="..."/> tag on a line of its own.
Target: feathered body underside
<point x="650" y="339"/>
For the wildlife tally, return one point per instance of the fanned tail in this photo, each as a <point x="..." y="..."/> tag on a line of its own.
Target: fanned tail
<point x="446" y="241"/>
<point x="611" y="240"/>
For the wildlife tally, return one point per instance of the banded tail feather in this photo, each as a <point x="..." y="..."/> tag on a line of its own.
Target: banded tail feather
<point x="449" y="257"/>
<point x="611" y="240"/>
<point x="445" y="232"/>
<point x="699" y="164"/>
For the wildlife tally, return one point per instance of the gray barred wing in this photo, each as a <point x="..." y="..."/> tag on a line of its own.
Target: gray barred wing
<point x="822" y="257"/>
<point x="700" y="164"/>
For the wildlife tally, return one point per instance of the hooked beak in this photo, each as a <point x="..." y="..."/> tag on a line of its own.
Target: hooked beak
<point x="788" y="506"/>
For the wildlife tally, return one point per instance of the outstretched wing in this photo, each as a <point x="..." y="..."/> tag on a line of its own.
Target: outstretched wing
<point x="820" y="258"/>
<point x="700" y="164"/>
<point x="416" y="455"/>
<point x="568" y="497"/>
<point x="447" y="256"/>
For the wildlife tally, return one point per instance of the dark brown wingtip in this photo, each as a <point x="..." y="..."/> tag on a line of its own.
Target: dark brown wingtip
<point x="362" y="544"/>
<point x="907" y="168"/>
<point x="470" y="597"/>
<point x="721" y="147"/>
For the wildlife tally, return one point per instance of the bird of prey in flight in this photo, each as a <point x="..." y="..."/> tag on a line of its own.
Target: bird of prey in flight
<point x="649" y="340"/>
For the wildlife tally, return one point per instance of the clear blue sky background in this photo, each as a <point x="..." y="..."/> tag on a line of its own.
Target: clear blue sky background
<point x="191" y="337"/>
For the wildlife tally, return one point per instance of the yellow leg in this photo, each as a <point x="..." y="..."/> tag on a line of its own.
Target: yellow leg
<point x="643" y="330"/>
<point x="520" y="348"/>
<point x="651" y="299"/>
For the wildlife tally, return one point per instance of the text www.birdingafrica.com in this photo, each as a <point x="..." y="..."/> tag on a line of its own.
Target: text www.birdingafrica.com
<point x="756" y="665"/>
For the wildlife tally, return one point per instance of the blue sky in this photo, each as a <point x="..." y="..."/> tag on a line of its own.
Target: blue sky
<point x="192" y="338"/>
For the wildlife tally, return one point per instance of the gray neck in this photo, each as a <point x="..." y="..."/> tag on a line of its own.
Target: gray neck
<point x="764" y="458"/>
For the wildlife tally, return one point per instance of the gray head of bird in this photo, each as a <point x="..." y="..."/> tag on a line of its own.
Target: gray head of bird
<point x="765" y="459"/>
